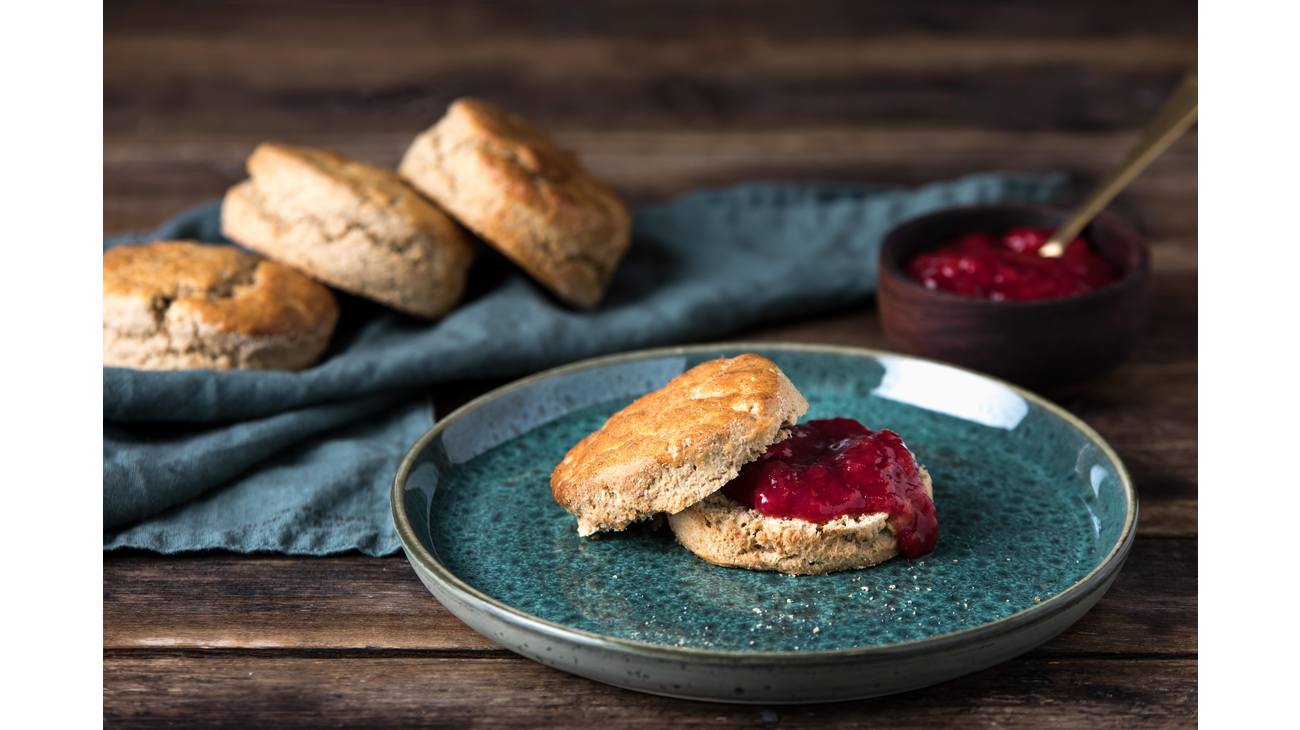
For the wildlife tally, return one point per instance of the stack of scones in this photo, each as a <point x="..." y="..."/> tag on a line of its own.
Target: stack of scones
<point x="404" y="239"/>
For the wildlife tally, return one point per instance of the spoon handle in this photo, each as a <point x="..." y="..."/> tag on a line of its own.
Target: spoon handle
<point x="1178" y="113"/>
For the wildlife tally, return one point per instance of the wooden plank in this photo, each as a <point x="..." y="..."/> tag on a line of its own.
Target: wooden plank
<point x="149" y="176"/>
<point x="650" y="164"/>
<point x="396" y="50"/>
<point x="216" y="601"/>
<point x="393" y="68"/>
<point x="412" y="55"/>
<point x="237" y="689"/>
<point x="355" y="22"/>
<point x="1039" y="96"/>
<point x="352" y="602"/>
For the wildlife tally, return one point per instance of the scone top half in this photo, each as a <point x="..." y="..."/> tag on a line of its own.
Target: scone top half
<point x="675" y="446"/>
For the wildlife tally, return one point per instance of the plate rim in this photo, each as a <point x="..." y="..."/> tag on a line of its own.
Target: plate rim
<point x="447" y="579"/>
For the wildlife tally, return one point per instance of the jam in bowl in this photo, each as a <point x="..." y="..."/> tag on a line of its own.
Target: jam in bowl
<point x="1009" y="266"/>
<point x="967" y="286"/>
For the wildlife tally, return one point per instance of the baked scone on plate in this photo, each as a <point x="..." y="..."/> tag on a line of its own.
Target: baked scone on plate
<point x="510" y="183"/>
<point x="354" y="226"/>
<point x="675" y="446"/>
<point x="717" y="449"/>
<point x="174" y="305"/>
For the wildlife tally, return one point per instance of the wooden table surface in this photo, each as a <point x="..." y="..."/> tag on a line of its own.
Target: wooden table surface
<point x="658" y="98"/>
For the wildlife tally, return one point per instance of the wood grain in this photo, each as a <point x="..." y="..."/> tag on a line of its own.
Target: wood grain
<point x="678" y="63"/>
<point x="306" y="689"/>
<point x="353" y="22"/>
<point x="649" y="165"/>
<point x="658" y="98"/>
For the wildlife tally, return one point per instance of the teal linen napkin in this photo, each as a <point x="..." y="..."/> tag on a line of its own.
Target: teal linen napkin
<point x="301" y="462"/>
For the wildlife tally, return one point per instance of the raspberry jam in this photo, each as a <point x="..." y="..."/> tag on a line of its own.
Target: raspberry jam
<point x="1009" y="267"/>
<point x="835" y="467"/>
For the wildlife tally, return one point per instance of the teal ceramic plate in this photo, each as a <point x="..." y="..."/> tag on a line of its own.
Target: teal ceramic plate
<point x="1036" y="515"/>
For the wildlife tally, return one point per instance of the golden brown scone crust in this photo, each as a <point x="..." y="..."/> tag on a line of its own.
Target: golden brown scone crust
<point x="178" y="304"/>
<point x="672" y="447"/>
<point x="516" y="188"/>
<point x="726" y="533"/>
<point x="354" y="226"/>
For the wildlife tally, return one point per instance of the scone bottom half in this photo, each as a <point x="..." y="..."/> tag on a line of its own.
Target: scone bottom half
<point x="673" y="447"/>
<point x="723" y="532"/>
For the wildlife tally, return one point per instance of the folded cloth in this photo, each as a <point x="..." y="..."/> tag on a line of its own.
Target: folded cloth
<point x="301" y="462"/>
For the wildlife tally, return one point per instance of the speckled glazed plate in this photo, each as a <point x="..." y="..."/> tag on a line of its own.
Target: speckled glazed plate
<point x="1036" y="516"/>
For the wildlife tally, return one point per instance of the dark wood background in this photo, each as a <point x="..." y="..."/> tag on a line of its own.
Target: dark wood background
<point x="658" y="98"/>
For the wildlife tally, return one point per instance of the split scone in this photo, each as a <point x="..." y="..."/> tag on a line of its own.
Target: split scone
<point x="818" y="497"/>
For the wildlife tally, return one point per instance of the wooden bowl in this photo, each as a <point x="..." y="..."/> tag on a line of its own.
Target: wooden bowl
<point x="1042" y="342"/>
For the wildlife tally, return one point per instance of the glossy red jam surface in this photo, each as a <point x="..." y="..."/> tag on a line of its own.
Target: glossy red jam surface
<point x="1009" y="267"/>
<point x="836" y="467"/>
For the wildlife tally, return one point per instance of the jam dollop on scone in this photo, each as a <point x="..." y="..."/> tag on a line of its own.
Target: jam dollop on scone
<point x="836" y="468"/>
<point x="717" y="450"/>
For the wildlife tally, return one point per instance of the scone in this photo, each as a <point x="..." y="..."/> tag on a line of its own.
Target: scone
<point x="718" y="450"/>
<point x="724" y="532"/>
<point x="517" y="189"/>
<point x="174" y="305"/>
<point x="351" y="225"/>
<point x="672" y="448"/>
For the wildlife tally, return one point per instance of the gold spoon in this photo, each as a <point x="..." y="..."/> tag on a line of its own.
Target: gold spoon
<point x="1175" y="117"/>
